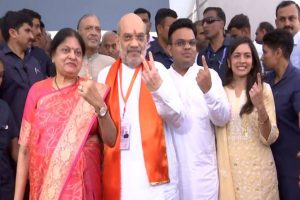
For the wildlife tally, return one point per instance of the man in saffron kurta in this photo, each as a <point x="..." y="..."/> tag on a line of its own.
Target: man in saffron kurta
<point x="206" y="104"/>
<point x="144" y="106"/>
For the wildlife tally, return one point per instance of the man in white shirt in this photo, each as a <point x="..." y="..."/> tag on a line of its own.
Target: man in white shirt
<point x="89" y="29"/>
<point x="205" y="105"/>
<point x="288" y="18"/>
<point x="144" y="106"/>
<point x="109" y="45"/>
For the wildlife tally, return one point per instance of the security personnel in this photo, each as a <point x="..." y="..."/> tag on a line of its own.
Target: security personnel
<point x="8" y="133"/>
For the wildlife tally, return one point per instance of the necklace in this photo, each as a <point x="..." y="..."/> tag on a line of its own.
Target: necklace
<point x="59" y="87"/>
<point x="56" y="83"/>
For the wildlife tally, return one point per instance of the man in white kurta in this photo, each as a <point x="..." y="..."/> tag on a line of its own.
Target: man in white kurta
<point x="205" y="105"/>
<point x="89" y="28"/>
<point x="134" y="180"/>
<point x="288" y="18"/>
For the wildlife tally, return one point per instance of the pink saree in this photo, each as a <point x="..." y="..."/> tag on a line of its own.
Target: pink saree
<point x="63" y="162"/>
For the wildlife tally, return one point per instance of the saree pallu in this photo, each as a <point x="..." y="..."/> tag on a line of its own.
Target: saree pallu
<point x="56" y="124"/>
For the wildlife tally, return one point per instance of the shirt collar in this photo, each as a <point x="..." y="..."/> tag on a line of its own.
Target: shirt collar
<point x="155" y="47"/>
<point x="286" y="74"/>
<point x="297" y="38"/>
<point x="6" y="50"/>
<point x="226" y="43"/>
<point x="90" y="58"/>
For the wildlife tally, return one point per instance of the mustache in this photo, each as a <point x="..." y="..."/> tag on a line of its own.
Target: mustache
<point x="134" y="49"/>
<point x="287" y="27"/>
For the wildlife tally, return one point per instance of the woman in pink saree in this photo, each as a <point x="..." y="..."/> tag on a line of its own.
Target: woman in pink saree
<point x="64" y="120"/>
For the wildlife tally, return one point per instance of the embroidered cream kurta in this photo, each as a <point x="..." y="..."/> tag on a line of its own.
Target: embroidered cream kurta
<point x="250" y="158"/>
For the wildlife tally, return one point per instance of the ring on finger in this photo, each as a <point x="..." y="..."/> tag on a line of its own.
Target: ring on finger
<point x="80" y="88"/>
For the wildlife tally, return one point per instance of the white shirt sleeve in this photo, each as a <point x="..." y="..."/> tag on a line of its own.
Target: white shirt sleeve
<point x="167" y="100"/>
<point x="217" y="102"/>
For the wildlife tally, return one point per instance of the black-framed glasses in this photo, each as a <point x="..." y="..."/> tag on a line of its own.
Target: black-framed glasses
<point x="210" y="20"/>
<point x="183" y="43"/>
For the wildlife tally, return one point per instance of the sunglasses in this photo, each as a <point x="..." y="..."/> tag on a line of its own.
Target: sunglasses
<point x="210" y="20"/>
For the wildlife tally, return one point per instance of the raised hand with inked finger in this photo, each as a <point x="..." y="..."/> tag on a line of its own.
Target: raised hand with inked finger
<point x="88" y="89"/>
<point x="150" y="74"/>
<point x="256" y="93"/>
<point x="204" y="78"/>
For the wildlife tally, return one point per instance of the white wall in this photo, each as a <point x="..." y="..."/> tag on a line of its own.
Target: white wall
<point x="256" y="10"/>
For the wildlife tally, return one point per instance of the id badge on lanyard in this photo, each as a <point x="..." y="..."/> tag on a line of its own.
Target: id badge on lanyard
<point x="125" y="125"/>
<point x="125" y="135"/>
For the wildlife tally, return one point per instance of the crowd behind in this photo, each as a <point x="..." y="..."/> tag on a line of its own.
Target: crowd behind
<point x="199" y="112"/>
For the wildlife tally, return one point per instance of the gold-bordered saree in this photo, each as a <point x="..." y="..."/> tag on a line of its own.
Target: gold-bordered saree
<point x="56" y="125"/>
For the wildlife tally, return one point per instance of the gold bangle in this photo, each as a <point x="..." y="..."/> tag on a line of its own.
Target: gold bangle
<point x="263" y="122"/>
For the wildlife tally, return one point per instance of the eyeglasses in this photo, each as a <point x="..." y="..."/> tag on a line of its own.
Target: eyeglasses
<point x="183" y="43"/>
<point x="210" y="20"/>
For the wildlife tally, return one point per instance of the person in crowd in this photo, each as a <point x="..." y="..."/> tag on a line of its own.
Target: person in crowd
<point x="145" y="15"/>
<point x="45" y="39"/>
<point x="90" y="30"/>
<point x="239" y="26"/>
<point x="246" y="164"/>
<point x="206" y="104"/>
<point x="202" y="42"/>
<point x="38" y="53"/>
<point x="163" y="19"/>
<point x="262" y="29"/>
<point x="213" y="23"/>
<point x="284" y="80"/>
<point x="144" y="105"/>
<point x="8" y="147"/>
<point x="2" y="41"/>
<point x="65" y="119"/>
<point x="109" y="44"/>
<point x="288" y="18"/>
<point x="21" y="69"/>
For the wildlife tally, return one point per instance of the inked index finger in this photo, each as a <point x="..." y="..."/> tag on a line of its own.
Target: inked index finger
<point x="87" y="73"/>
<point x="204" y="63"/>
<point x="151" y="60"/>
<point x="259" y="79"/>
<point x="146" y="66"/>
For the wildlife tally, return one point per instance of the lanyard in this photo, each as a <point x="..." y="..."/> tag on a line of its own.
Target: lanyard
<point x="125" y="98"/>
<point x="222" y="59"/>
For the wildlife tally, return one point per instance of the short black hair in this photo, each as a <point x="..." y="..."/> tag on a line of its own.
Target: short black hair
<point x="162" y="13"/>
<point x="198" y="23"/>
<point x="268" y="27"/>
<point x="42" y="25"/>
<point x="282" y="39"/>
<point x="239" y="21"/>
<point x="60" y="37"/>
<point x="287" y="3"/>
<point x="219" y="11"/>
<point x="31" y="14"/>
<point x="14" y="20"/>
<point x="178" y="24"/>
<point x="142" y="11"/>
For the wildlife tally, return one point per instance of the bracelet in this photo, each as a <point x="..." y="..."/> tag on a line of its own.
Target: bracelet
<point x="263" y="122"/>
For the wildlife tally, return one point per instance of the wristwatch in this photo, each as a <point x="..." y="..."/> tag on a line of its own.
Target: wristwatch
<point x="102" y="111"/>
